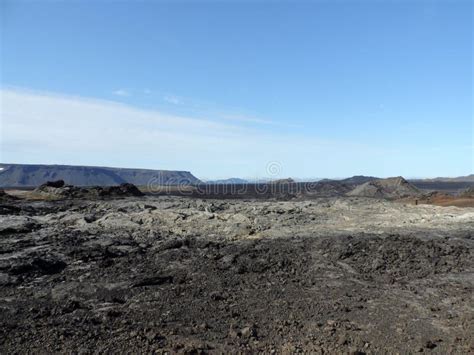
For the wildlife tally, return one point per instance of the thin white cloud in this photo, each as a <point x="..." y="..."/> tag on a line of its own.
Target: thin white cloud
<point x="212" y="109"/>
<point x="122" y="92"/>
<point x="256" y="120"/>
<point x="172" y="99"/>
<point x="51" y="128"/>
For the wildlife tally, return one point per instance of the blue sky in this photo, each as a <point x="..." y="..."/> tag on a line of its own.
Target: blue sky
<point x="319" y="88"/>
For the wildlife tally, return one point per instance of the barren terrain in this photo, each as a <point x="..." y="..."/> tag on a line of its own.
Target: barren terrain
<point x="162" y="273"/>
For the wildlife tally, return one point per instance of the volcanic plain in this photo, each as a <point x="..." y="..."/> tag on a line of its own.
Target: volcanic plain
<point x="161" y="273"/>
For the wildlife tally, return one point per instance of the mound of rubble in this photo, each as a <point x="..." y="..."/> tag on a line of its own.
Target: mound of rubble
<point x="396" y="187"/>
<point x="59" y="190"/>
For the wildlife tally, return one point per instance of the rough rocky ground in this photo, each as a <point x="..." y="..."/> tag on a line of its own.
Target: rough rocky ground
<point x="330" y="275"/>
<point x="441" y="199"/>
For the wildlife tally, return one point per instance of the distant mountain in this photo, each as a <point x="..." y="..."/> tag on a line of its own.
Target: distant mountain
<point x="235" y="181"/>
<point x="23" y="175"/>
<point x="282" y="181"/>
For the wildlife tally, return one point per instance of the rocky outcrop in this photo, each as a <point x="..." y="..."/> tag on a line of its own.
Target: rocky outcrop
<point x="56" y="184"/>
<point x="5" y="197"/>
<point x="469" y="192"/>
<point x="58" y="190"/>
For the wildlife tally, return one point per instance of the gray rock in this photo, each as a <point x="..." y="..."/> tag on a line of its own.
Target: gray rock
<point x="17" y="224"/>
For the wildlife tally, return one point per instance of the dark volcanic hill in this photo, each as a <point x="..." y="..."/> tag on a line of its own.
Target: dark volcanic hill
<point x="353" y="180"/>
<point x="23" y="175"/>
<point x="358" y="179"/>
<point x="395" y="187"/>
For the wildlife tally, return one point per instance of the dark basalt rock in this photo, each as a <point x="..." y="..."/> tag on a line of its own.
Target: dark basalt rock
<point x="39" y="265"/>
<point x="4" y="197"/>
<point x="57" y="183"/>
<point x="57" y="189"/>
<point x="125" y="189"/>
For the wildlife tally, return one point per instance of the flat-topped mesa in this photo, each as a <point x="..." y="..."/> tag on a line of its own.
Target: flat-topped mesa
<point x="25" y="175"/>
<point x="394" y="187"/>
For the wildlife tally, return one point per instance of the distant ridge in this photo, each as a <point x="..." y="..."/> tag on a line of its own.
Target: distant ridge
<point x="27" y="175"/>
<point x="468" y="178"/>
<point x="229" y="181"/>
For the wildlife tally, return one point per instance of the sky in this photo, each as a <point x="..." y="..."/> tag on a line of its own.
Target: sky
<point x="251" y="89"/>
